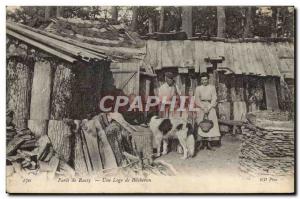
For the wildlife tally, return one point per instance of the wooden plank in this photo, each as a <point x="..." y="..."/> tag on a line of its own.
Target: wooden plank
<point x="41" y="90"/>
<point x="68" y="48"/>
<point x="80" y="163"/>
<point x="41" y="46"/>
<point x="93" y="151"/>
<point x="259" y="64"/>
<point x="271" y="94"/>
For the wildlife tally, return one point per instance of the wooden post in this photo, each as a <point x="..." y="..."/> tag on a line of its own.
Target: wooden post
<point x="221" y="21"/>
<point x="40" y="96"/>
<point x="19" y="80"/>
<point x="187" y="24"/>
<point x="271" y="94"/>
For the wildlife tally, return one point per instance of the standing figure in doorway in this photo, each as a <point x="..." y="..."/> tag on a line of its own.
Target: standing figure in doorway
<point x="206" y="100"/>
<point x="166" y="93"/>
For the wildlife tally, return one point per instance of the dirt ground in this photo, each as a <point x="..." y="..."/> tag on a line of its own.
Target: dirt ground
<point x="223" y="159"/>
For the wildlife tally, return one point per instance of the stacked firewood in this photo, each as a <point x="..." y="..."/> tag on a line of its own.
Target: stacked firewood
<point x="267" y="151"/>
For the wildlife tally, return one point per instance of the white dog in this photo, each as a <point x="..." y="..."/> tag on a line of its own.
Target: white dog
<point x="164" y="129"/>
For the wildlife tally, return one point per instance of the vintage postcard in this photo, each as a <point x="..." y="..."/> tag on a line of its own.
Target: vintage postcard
<point x="150" y="99"/>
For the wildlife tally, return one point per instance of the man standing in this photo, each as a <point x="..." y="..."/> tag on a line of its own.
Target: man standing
<point x="167" y="93"/>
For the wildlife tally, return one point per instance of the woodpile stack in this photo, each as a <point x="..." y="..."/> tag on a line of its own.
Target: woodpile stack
<point x="267" y="149"/>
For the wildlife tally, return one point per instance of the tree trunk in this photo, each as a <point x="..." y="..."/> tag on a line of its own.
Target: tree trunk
<point x="59" y="11"/>
<point x="221" y="21"/>
<point x="248" y="23"/>
<point x="60" y="135"/>
<point x="47" y="13"/>
<point x="151" y="25"/>
<point x="187" y="24"/>
<point x="134" y="18"/>
<point x="18" y="91"/>
<point x="114" y="13"/>
<point x="275" y="16"/>
<point x="161" y="19"/>
<point x="61" y="106"/>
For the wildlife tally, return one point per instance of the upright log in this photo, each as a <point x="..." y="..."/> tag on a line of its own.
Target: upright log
<point x="61" y="106"/>
<point x="40" y="96"/>
<point x="60" y="134"/>
<point x="134" y="18"/>
<point x="18" y="90"/>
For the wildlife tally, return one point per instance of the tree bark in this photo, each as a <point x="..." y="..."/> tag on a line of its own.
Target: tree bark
<point x="47" y="13"/>
<point x="221" y="21"/>
<point x="151" y="25"/>
<point x="61" y="106"/>
<point x="114" y="13"/>
<point x="134" y="18"/>
<point x="59" y="11"/>
<point x="38" y="127"/>
<point x="60" y="135"/>
<point x="18" y="91"/>
<point x="161" y="19"/>
<point x="187" y="24"/>
<point x="248" y="23"/>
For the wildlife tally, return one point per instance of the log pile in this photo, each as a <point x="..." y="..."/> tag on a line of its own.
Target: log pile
<point x="267" y="151"/>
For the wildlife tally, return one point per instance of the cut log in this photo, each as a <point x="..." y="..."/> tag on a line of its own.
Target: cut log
<point x="62" y="93"/>
<point x="38" y="127"/>
<point x="271" y="94"/>
<point x="19" y="80"/>
<point x="60" y="134"/>
<point x="41" y="89"/>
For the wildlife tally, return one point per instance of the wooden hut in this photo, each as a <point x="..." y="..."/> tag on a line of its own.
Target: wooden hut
<point x="238" y="69"/>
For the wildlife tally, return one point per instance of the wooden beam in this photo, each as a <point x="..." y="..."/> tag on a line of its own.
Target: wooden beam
<point x="63" y="46"/>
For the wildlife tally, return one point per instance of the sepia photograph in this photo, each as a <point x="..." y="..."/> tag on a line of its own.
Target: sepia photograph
<point x="150" y="99"/>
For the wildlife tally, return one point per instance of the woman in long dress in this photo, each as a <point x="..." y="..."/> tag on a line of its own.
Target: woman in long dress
<point x="206" y="100"/>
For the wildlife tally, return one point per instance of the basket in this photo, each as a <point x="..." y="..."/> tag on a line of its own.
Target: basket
<point x="206" y="124"/>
